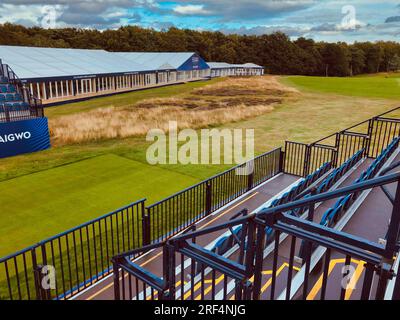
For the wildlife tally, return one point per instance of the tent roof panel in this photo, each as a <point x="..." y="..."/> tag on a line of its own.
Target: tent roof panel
<point x="158" y="60"/>
<point x="32" y="62"/>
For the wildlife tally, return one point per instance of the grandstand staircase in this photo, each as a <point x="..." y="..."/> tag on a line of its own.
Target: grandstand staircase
<point x="334" y="234"/>
<point x="16" y="102"/>
<point x="220" y="271"/>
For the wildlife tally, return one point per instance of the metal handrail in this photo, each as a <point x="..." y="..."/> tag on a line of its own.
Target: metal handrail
<point x="358" y="124"/>
<point x="271" y="213"/>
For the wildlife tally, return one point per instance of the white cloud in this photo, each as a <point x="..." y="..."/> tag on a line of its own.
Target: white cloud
<point x="191" y="9"/>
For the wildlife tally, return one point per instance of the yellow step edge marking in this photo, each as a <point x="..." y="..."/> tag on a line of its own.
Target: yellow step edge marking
<point x="206" y="291"/>
<point x="356" y="276"/>
<point x="354" y="279"/>
<point x="160" y="253"/>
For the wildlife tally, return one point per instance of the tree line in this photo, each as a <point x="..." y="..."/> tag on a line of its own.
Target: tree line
<point x="276" y="52"/>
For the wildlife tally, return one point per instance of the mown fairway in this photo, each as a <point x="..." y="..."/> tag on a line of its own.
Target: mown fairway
<point x="46" y="193"/>
<point x="41" y="204"/>
<point x="378" y="86"/>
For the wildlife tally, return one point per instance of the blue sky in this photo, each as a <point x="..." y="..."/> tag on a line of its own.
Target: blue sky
<point x="337" y="20"/>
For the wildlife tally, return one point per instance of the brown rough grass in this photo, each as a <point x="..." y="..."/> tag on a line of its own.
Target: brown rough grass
<point x="247" y="86"/>
<point x="218" y="104"/>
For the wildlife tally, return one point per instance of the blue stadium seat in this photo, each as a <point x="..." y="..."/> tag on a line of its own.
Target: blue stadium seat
<point x="293" y="193"/>
<point x="332" y="215"/>
<point x="346" y="202"/>
<point x="2" y="97"/>
<point x="324" y="221"/>
<point x="11" y="88"/>
<point x="3" y="88"/>
<point x="223" y="245"/>
<point x="274" y="203"/>
<point x="269" y="235"/>
<point x="10" y="97"/>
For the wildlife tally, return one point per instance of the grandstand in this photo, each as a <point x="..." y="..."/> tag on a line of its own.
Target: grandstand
<point x="222" y="69"/>
<point x="57" y="75"/>
<point x="16" y="102"/>
<point x="311" y="221"/>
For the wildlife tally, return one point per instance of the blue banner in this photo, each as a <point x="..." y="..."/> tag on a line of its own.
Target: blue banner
<point x="24" y="137"/>
<point x="194" y="63"/>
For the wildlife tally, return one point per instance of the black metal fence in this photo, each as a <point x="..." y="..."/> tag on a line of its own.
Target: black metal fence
<point x="82" y="256"/>
<point x="8" y="114"/>
<point x="190" y="272"/>
<point x="174" y="214"/>
<point x="373" y="135"/>
<point x="76" y="258"/>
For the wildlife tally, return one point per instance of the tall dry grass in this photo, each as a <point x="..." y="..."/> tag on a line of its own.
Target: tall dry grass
<point x="108" y="123"/>
<point x="247" y="86"/>
<point x="208" y="106"/>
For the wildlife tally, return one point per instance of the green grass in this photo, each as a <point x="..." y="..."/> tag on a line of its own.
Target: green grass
<point x="377" y="86"/>
<point x="40" y="205"/>
<point x="48" y="192"/>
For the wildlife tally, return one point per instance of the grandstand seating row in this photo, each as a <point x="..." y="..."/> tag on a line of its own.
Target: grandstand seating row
<point x="225" y="243"/>
<point x="3" y="79"/>
<point x="10" y="97"/>
<point x="14" y="106"/>
<point x="332" y="215"/>
<point x="302" y="185"/>
<point x="326" y="185"/>
<point x="7" y="88"/>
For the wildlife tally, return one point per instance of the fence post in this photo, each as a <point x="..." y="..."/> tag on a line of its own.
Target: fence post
<point x="7" y="113"/>
<point x="169" y="270"/>
<point x="384" y="275"/>
<point x="396" y="291"/>
<point x="337" y="146"/>
<point x="146" y="237"/>
<point x="281" y="161"/>
<point x="308" y="247"/>
<point x="34" y="268"/>
<point x="394" y="227"/>
<point x="258" y="265"/>
<point x="208" y="197"/>
<point x="117" y="295"/>
<point x="307" y="157"/>
<point x="370" y="131"/>
<point x="41" y="293"/>
<point x="250" y="180"/>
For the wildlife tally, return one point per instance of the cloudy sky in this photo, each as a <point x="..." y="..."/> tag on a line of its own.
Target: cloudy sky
<point x="330" y="20"/>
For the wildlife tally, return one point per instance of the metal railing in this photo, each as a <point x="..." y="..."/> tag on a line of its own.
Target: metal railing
<point x="82" y="256"/>
<point x="77" y="258"/>
<point x="373" y="134"/>
<point x="34" y="108"/>
<point x="177" y="212"/>
<point x="192" y="272"/>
